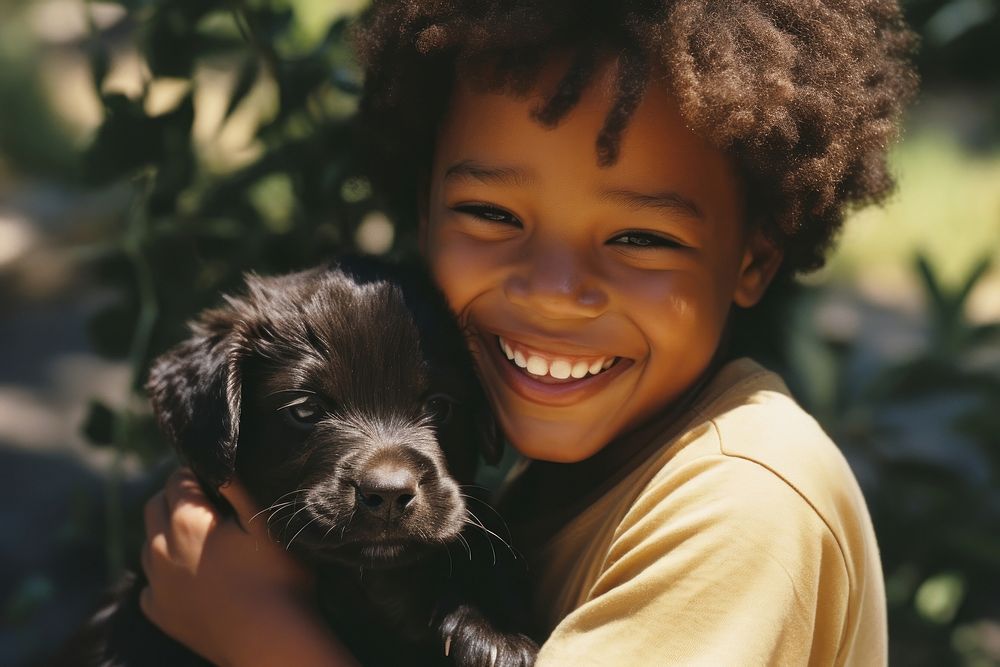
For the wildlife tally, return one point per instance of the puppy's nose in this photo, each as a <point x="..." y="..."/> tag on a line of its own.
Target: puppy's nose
<point x="386" y="490"/>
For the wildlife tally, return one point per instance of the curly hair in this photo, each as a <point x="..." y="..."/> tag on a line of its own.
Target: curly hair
<point x="805" y="95"/>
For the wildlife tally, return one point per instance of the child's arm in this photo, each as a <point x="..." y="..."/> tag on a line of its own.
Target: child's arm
<point x="233" y="596"/>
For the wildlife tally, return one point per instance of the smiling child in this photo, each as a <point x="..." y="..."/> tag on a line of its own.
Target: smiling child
<point x="598" y="188"/>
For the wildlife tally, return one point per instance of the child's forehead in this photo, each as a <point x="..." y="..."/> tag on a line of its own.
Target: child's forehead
<point x="491" y="148"/>
<point x="657" y="147"/>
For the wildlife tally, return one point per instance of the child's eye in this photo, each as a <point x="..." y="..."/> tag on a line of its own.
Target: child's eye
<point x="645" y="240"/>
<point x="490" y="213"/>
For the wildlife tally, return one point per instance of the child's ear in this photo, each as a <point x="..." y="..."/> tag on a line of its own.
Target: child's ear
<point x="761" y="260"/>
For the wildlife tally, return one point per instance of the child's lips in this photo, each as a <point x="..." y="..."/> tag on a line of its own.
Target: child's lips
<point x="542" y="387"/>
<point x="554" y="367"/>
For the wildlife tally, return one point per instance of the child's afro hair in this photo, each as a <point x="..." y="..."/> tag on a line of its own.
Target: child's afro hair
<point x="804" y="94"/>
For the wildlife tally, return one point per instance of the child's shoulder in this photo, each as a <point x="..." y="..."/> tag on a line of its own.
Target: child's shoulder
<point x="753" y="459"/>
<point x="750" y="424"/>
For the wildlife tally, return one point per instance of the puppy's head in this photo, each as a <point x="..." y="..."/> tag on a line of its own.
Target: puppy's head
<point x="346" y="403"/>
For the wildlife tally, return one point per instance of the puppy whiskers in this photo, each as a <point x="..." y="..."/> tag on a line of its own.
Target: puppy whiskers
<point x="465" y="543"/>
<point x="488" y="540"/>
<point x="451" y="563"/>
<point x="488" y="506"/>
<point x="272" y="508"/>
<point x="479" y="524"/>
<point x="334" y="523"/>
<point x="287" y="546"/>
<point x="343" y="531"/>
<point x="285" y="495"/>
<point x="305" y="506"/>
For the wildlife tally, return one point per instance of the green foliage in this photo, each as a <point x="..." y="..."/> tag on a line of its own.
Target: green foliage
<point x="922" y="434"/>
<point x="951" y="334"/>
<point x="29" y="131"/>
<point x="192" y="228"/>
<point x="958" y="37"/>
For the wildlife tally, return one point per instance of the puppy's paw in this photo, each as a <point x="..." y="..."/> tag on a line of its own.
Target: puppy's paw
<point x="470" y="640"/>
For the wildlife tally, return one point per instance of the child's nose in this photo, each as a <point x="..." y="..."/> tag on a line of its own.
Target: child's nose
<point x="558" y="285"/>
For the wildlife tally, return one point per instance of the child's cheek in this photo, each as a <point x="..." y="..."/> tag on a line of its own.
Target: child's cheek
<point x="462" y="267"/>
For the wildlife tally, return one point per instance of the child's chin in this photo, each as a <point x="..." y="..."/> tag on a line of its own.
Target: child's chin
<point x="557" y="445"/>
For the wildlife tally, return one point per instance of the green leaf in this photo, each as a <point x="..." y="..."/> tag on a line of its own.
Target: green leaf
<point x="176" y="167"/>
<point x="245" y="80"/>
<point x="273" y="22"/>
<point x="297" y="81"/>
<point x="172" y="43"/>
<point x="125" y="141"/>
<point x="100" y="63"/>
<point x="977" y="272"/>
<point x="932" y="285"/>
<point x="99" y="425"/>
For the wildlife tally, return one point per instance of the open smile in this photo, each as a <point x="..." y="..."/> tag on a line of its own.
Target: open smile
<point x="545" y="366"/>
<point x="552" y="378"/>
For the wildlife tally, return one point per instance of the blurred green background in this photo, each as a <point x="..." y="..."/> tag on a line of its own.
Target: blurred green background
<point x="151" y="151"/>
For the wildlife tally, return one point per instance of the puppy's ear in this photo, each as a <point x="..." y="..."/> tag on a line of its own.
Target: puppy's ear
<point x="195" y="391"/>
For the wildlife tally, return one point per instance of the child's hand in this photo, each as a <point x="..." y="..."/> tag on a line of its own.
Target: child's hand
<point x="235" y="597"/>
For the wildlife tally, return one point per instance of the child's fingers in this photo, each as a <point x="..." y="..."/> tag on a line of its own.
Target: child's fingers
<point x="155" y="515"/>
<point x="177" y="517"/>
<point x="183" y="487"/>
<point x="240" y="499"/>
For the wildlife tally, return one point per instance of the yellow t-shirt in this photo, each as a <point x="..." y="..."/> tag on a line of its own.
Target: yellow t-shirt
<point x="741" y="539"/>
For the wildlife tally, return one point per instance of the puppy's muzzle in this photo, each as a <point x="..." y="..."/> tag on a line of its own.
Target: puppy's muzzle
<point x="386" y="489"/>
<point x="381" y="483"/>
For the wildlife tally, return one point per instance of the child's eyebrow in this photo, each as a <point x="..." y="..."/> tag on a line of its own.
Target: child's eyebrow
<point x="490" y="175"/>
<point x="669" y="200"/>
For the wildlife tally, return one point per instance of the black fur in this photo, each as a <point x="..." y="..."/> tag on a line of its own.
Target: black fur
<point x="345" y="401"/>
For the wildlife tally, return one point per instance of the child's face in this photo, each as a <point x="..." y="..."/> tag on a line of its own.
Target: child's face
<point x="570" y="267"/>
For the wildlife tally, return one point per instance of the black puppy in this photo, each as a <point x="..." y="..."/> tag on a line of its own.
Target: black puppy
<point x="345" y="401"/>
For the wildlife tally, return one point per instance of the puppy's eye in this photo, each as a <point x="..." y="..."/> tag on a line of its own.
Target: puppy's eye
<point x="440" y="407"/>
<point x="303" y="412"/>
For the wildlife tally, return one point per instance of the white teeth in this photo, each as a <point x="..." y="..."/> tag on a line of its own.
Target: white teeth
<point x="537" y="366"/>
<point x="560" y="369"/>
